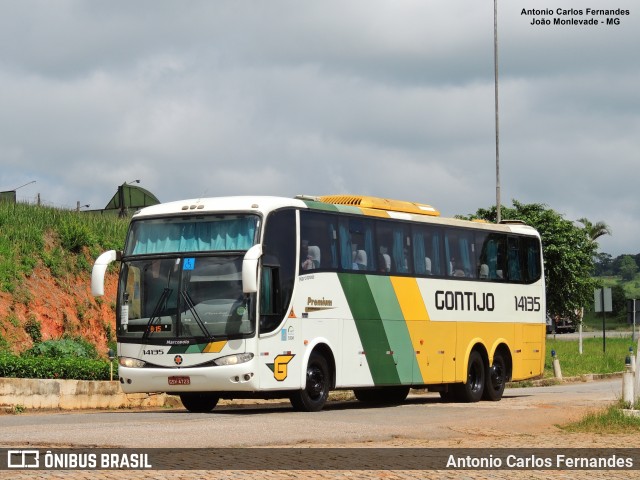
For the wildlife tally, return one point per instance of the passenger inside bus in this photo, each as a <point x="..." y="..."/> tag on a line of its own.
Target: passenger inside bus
<point x="309" y="256"/>
<point x="385" y="260"/>
<point x="360" y="262"/>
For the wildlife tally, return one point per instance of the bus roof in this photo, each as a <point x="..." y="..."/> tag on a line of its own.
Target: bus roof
<point x="353" y="204"/>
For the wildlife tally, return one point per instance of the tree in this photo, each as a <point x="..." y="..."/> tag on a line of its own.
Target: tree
<point x="618" y="300"/>
<point x="595" y="230"/>
<point x="628" y="268"/>
<point x="568" y="255"/>
<point x="603" y="265"/>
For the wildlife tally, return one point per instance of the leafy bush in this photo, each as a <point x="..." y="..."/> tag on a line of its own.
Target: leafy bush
<point x="33" y="329"/>
<point x="65" y="348"/>
<point x="12" y="366"/>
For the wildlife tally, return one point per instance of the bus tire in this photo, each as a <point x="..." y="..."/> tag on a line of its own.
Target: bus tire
<point x="384" y="395"/>
<point x="471" y="391"/>
<point x="496" y="379"/>
<point x="316" y="391"/>
<point x="199" y="402"/>
<point x="366" y="395"/>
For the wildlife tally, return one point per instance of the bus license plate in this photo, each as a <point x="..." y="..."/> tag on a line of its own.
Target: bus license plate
<point x="179" y="380"/>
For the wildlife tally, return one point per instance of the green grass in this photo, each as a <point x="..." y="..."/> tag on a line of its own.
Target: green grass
<point x="631" y="287"/>
<point x="31" y="235"/>
<point x="592" y="360"/>
<point x="611" y="420"/>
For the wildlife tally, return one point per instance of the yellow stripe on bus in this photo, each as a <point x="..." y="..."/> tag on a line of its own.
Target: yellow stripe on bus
<point x="215" y="347"/>
<point x="416" y="317"/>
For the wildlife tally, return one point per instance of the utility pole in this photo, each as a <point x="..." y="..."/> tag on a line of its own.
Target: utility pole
<point x="495" y="64"/>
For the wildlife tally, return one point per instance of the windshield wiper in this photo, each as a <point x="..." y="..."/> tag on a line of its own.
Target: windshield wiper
<point x="156" y="311"/>
<point x="192" y="308"/>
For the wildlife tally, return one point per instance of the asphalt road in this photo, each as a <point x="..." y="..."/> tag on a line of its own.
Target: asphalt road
<point x="421" y="419"/>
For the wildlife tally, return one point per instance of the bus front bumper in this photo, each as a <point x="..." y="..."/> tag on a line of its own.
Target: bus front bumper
<point x="241" y="378"/>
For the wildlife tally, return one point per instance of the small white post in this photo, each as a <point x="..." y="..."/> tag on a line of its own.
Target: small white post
<point x="627" y="385"/>
<point x="557" y="372"/>
<point x="637" y="375"/>
<point x="580" y="331"/>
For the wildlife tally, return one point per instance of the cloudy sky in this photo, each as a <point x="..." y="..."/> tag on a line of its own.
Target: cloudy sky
<point x="392" y="98"/>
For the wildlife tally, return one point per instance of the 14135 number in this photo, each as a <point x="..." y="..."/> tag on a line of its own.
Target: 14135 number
<point x="527" y="304"/>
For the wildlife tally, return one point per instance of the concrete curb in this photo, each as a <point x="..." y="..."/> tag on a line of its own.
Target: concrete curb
<point x="547" y="382"/>
<point x="31" y="393"/>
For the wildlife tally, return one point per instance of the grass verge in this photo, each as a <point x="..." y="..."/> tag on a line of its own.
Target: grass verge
<point x="592" y="360"/>
<point x="611" y="420"/>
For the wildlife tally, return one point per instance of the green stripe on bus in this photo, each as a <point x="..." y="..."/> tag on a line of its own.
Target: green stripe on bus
<point x="178" y="349"/>
<point x="328" y="207"/>
<point x="349" y="209"/>
<point x="370" y="328"/>
<point x="331" y="207"/>
<point x="395" y="328"/>
<point x="195" y="348"/>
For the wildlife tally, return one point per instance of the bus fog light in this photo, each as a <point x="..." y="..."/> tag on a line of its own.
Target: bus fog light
<point x="234" y="359"/>
<point x="247" y="376"/>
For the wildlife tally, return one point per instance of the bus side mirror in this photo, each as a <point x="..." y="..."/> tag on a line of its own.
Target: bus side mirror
<point x="250" y="269"/>
<point x="99" y="271"/>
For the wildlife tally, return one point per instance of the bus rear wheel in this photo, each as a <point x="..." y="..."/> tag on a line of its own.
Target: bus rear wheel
<point x="473" y="389"/>
<point x="199" y="402"/>
<point x="496" y="379"/>
<point x="316" y="391"/>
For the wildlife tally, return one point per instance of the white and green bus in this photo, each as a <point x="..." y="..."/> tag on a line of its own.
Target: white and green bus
<point x="268" y="297"/>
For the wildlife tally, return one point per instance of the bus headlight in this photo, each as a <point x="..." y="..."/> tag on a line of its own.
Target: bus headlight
<point x="131" y="362"/>
<point x="234" y="359"/>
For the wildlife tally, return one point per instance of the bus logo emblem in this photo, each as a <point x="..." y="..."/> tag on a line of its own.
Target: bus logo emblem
<point x="177" y="360"/>
<point x="279" y="367"/>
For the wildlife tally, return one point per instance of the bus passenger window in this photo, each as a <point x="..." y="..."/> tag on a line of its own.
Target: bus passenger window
<point x="532" y="258"/>
<point x="356" y="244"/>
<point x="278" y="268"/>
<point x="513" y="260"/>
<point x="318" y="241"/>
<point x="425" y="241"/>
<point x="459" y="249"/>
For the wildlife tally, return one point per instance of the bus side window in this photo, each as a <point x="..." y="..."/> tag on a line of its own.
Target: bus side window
<point x="459" y="247"/>
<point x="269" y="299"/>
<point x="514" y="266"/>
<point x="426" y="249"/>
<point x="531" y="255"/>
<point x="318" y="241"/>
<point x="356" y="241"/>
<point x="482" y="260"/>
<point x="278" y="268"/>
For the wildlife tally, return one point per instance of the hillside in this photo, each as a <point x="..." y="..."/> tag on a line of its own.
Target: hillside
<point x="46" y="257"/>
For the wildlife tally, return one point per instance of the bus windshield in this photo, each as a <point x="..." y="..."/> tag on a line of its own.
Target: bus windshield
<point x="181" y="278"/>
<point x="202" y="233"/>
<point x="198" y="297"/>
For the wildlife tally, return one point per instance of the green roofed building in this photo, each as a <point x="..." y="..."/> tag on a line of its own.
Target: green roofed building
<point x="8" y="196"/>
<point x="130" y="197"/>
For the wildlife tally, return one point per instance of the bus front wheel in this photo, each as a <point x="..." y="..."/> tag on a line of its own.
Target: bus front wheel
<point x="473" y="389"/>
<point x="316" y="391"/>
<point x="199" y="402"/>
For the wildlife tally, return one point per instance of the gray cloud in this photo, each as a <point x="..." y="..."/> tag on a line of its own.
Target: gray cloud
<point x="385" y="98"/>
